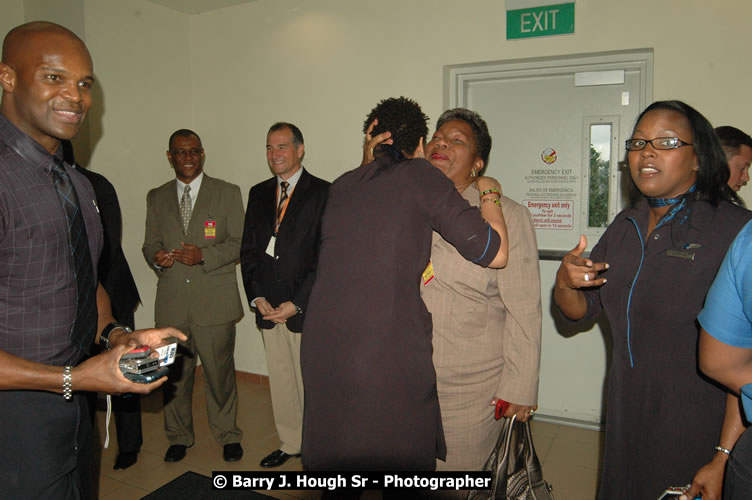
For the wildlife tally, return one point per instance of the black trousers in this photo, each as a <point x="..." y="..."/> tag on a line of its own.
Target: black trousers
<point x="46" y="446"/>
<point x="738" y="481"/>
<point x="127" y="409"/>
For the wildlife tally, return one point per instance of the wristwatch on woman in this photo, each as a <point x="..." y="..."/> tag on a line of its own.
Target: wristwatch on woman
<point x="104" y="338"/>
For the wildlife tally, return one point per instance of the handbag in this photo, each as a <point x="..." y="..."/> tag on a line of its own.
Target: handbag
<point x="517" y="473"/>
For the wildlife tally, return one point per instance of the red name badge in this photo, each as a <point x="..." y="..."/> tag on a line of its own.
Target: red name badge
<point x="210" y="229"/>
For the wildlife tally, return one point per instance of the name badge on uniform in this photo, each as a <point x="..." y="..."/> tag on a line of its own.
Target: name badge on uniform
<point x="210" y="230"/>
<point x="270" y="246"/>
<point x="428" y="274"/>
<point x="681" y="254"/>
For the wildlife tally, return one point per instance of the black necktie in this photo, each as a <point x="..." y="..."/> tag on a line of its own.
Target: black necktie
<point x="85" y="323"/>
<point x="282" y="200"/>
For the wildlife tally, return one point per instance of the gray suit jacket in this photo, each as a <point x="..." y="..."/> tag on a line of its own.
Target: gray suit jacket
<point x="206" y="294"/>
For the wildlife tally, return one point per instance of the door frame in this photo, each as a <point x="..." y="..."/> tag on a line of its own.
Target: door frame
<point x="459" y="77"/>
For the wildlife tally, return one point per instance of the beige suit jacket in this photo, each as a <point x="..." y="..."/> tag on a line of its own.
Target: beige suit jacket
<point x="487" y="323"/>
<point x="205" y="294"/>
<point x="520" y="292"/>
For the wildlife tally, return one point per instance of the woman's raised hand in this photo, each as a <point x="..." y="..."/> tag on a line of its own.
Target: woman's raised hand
<point x="371" y="142"/>
<point x="576" y="271"/>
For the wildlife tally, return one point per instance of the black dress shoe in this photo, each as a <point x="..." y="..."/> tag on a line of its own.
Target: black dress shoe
<point x="276" y="458"/>
<point x="125" y="459"/>
<point x="175" y="453"/>
<point x="232" y="452"/>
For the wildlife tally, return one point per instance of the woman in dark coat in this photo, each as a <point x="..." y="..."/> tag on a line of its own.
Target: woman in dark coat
<point x="370" y="385"/>
<point x="650" y="273"/>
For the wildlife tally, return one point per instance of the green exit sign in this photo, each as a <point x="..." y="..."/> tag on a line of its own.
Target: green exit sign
<point x="540" y="21"/>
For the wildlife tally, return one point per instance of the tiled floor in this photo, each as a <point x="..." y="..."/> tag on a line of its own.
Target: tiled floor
<point x="569" y="455"/>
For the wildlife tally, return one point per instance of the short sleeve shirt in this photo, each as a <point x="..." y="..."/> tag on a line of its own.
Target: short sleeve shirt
<point x="37" y="284"/>
<point x="727" y="315"/>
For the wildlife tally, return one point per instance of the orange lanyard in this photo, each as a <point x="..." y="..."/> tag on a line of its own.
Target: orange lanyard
<point x="284" y="209"/>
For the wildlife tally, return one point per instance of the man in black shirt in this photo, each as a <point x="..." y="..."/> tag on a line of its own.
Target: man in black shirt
<point x="48" y="214"/>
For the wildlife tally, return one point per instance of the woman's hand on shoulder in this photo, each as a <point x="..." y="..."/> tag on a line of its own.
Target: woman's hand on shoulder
<point x="371" y="142"/>
<point x="576" y="271"/>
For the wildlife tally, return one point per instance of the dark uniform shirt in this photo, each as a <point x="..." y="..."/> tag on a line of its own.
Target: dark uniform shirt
<point x="37" y="285"/>
<point x="370" y="386"/>
<point x="664" y="417"/>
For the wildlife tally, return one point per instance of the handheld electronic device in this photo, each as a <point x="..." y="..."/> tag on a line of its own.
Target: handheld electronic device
<point x="142" y="365"/>
<point x="137" y="352"/>
<point x="148" y="377"/>
<point x="674" y="492"/>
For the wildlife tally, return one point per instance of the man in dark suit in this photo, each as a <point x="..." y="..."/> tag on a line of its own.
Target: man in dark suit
<point x="117" y="279"/>
<point x="278" y="260"/>
<point x="194" y="226"/>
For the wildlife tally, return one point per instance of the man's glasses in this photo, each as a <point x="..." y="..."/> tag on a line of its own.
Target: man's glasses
<point x="657" y="143"/>
<point x="180" y="153"/>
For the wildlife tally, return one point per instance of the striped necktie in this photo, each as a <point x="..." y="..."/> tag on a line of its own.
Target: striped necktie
<point x="282" y="200"/>
<point x="84" y="327"/>
<point x="186" y="208"/>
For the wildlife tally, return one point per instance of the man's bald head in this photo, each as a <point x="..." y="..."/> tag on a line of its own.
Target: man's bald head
<point x="20" y="36"/>
<point x="46" y="75"/>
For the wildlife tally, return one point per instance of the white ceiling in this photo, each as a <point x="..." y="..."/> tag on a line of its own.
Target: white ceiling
<point x="198" y="6"/>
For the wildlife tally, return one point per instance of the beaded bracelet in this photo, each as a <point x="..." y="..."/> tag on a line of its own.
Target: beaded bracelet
<point x="67" y="383"/>
<point x="496" y="201"/>
<point x="723" y="450"/>
<point x="489" y="191"/>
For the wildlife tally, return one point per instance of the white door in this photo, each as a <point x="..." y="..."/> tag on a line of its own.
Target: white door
<point x="558" y="127"/>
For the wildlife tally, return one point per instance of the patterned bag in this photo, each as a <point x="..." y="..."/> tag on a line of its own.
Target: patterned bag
<point x="517" y="476"/>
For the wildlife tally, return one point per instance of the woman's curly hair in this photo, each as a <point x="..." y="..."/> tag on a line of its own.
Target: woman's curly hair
<point x="403" y="118"/>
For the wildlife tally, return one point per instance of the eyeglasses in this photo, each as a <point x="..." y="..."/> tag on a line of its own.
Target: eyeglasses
<point x="186" y="152"/>
<point x="657" y="143"/>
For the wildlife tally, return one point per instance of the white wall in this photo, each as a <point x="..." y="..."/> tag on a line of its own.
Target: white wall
<point x="13" y="15"/>
<point x="142" y="64"/>
<point x="323" y="65"/>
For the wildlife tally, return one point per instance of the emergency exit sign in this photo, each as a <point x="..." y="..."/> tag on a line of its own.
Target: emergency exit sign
<point x="538" y="21"/>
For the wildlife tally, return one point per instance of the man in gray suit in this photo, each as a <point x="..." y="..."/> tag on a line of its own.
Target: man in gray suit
<point x="194" y="227"/>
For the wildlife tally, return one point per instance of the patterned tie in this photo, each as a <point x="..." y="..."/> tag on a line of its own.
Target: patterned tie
<point x="186" y="208"/>
<point x="282" y="200"/>
<point x="84" y="327"/>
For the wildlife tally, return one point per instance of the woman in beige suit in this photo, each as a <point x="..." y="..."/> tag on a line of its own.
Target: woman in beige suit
<point x="486" y="322"/>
